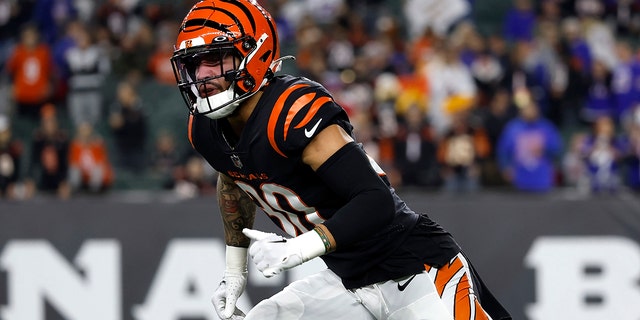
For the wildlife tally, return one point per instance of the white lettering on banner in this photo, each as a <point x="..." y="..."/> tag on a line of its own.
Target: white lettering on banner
<point x="37" y="272"/>
<point x="188" y="275"/>
<point x="587" y="278"/>
<point x="91" y="287"/>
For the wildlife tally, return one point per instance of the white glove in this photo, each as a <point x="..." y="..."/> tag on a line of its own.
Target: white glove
<point x="273" y="253"/>
<point x="232" y="285"/>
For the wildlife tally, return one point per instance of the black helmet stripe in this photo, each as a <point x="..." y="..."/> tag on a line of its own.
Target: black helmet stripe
<point x="253" y="22"/>
<point x="235" y="19"/>
<point x="204" y="23"/>
<point x="244" y="9"/>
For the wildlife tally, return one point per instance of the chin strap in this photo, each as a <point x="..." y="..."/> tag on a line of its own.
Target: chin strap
<point x="221" y="103"/>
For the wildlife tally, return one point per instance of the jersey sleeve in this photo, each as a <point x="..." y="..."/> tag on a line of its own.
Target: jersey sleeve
<point x="300" y="112"/>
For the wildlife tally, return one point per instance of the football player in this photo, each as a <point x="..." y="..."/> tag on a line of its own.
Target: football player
<point x="283" y="144"/>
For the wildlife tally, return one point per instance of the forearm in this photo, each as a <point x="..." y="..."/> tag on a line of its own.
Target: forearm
<point x="237" y="211"/>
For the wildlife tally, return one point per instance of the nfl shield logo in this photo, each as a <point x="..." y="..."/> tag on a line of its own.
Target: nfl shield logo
<point x="236" y="161"/>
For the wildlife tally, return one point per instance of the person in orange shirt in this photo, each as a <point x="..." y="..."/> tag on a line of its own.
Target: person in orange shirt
<point x="89" y="166"/>
<point x="460" y="154"/>
<point x="31" y="69"/>
<point x="159" y="64"/>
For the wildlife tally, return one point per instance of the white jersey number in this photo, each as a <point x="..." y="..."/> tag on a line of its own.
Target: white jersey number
<point x="267" y="199"/>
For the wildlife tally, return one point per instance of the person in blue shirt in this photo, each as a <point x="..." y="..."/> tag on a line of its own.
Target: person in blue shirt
<point x="624" y="82"/>
<point x="528" y="148"/>
<point x="519" y="22"/>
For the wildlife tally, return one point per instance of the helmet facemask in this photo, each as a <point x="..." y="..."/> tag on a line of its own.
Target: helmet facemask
<point x="215" y="30"/>
<point x="185" y="66"/>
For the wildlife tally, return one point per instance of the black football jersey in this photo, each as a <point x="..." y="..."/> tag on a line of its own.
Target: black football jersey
<point x="266" y="162"/>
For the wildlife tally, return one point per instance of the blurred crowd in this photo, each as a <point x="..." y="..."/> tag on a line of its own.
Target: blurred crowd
<point x="546" y="97"/>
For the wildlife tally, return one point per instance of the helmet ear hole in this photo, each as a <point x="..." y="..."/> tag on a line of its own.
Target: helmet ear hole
<point x="265" y="56"/>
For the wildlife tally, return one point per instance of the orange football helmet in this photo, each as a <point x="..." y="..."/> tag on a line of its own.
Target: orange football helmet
<point x="215" y="29"/>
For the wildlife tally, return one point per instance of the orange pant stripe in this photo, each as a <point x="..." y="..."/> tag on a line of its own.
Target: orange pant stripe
<point x="465" y="303"/>
<point x="445" y="274"/>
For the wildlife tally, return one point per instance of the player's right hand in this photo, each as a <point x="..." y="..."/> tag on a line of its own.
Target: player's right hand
<point x="225" y="297"/>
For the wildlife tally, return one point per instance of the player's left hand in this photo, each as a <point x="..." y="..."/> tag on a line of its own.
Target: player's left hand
<point x="225" y="297"/>
<point x="273" y="253"/>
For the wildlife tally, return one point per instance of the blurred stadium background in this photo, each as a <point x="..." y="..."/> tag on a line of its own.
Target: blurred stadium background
<point x="150" y="246"/>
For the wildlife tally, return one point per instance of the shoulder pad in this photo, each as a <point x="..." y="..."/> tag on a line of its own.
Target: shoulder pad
<point x="300" y="112"/>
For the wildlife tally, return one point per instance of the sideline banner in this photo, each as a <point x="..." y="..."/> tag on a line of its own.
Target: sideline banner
<point x="120" y="258"/>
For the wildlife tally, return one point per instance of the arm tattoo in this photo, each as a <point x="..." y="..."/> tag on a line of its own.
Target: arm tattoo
<point x="237" y="209"/>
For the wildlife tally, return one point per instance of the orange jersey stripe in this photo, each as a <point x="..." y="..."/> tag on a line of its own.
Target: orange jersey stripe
<point x="273" y="119"/>
<point x="297" y="106"/>
<point x="190" y="130"/>
<point x="312" y="111"/>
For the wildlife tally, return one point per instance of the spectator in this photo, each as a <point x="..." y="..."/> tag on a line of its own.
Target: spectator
<point x="527" y="150"/>
<point x="524" y="76"/>
<point x="165" y="156"/>
<point x="159" y="63"/>
<point x="471" y="43"/>
<point x="624" y="14"/>
<point x="48" y="168"/>
<point x="193" y="177"/>
<point x="559" y="73"/>
<point x="499" y="112"/>
<point x="545" y="61"/>
<point x="89" y="166"/>
<point x="14" y="15"/>
<point x="128" y="125"/>
<point x="340" y="51"/>
<point x="598" y="33"/>
<point x="86" y="9"/>
<point x="65" y="42"/>
<point x="422" y="48"/>
<point x="460" y="154"/>
<point x="421" y="14"/>
<point x="499" y="48"/>
<point x="624" y="82"/>
<point x="11" y="152"/>
<point x="31" y="69"/>
<point x="579" y="50"/>
<point x="88" y="66"/>
<point x="599" y="101"/>
<point x="51" y="15"/>
<point x="136" y="46"/>
<point x="451" y="87"/>
<point x="113" y="15"/>
<point x="574" y="171"/>
<point x="602" y="152"/>
<point x="632" y="130"/>
<point x="415" y="150"/>
<point x="520" y="22"/>
<point x="487" y="73"/>
<point x="550" y="11"/>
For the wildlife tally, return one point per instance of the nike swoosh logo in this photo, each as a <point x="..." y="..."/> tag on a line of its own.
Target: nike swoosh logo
<point x="278" y="241"/>
<point x="309" y="133"/>
<point x="401" y="287"/>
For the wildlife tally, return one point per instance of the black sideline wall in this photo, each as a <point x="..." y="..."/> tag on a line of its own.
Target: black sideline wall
<point x="151" y="257"/>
